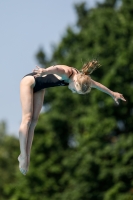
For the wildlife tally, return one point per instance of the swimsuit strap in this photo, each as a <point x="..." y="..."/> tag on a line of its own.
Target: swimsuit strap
<point x="76" y="70"/>
<point x="72" y="71"/>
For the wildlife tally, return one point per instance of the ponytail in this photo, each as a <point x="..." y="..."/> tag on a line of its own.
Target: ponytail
<point x="89" y="67"/>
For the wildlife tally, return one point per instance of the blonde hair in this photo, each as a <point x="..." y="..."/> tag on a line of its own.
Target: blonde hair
<point x="89" y="67"/>
<point x="83" y="78"/>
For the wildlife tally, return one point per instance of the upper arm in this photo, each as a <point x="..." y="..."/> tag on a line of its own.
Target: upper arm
<point x="101" y="87"/>
<point x="63" y="70"/>
<point x="94" y="84"/>
<point x="97" y="85"/>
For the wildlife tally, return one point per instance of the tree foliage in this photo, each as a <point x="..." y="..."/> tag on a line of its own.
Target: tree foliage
<point x="83" y="144"/>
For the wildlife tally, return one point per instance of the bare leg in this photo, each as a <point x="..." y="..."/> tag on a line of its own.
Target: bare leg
<point x="26" y="96"/>
<point x="38" y="99"/>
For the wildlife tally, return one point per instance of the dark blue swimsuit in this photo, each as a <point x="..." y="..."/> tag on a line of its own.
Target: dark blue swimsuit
<point x="47" y="81"/>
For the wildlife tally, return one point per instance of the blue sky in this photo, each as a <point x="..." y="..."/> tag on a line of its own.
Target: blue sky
<point x="25" y="27"/>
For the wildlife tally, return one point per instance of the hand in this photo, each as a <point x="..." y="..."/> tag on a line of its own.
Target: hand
<point x="39" y="71"/>
<point x="116" y="96"/>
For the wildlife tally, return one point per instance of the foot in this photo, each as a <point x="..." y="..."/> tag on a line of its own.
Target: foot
<point x="23" y="164"/>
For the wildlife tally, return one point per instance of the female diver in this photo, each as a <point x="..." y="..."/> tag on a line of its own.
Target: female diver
<point x="32" y="91"/>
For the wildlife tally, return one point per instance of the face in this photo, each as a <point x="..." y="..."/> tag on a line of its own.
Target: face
<point x="73" y="88"/>
<point x="75" y="85"/>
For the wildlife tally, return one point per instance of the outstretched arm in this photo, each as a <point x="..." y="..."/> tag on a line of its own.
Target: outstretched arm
<point x="61" y="70"/>
<point x="115" y="95"/>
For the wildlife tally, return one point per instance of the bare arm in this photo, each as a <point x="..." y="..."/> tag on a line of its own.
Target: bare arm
<point x="101" y="87"/>
<point x="115" y="95"/>
<point x="61" y="70"/>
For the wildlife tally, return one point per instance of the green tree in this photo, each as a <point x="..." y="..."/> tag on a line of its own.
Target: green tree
<point x="82" y="148"/>
<point x="9" y="150"/>
<point x="105" y="32"/>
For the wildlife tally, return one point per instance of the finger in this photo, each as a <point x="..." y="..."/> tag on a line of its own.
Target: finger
<point x="116" y="101"/>
<point x="35" y="70"/>
<point x="37" y="67"/>
<point x="37" y="75"/>
<point x="122" y="97"/>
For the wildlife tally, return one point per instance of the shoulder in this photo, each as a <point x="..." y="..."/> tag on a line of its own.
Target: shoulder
<point x="67" y="69"/>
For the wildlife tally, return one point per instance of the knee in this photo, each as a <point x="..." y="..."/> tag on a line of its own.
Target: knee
<point x="34" y="120"/>
<point x="27" y="119"/>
